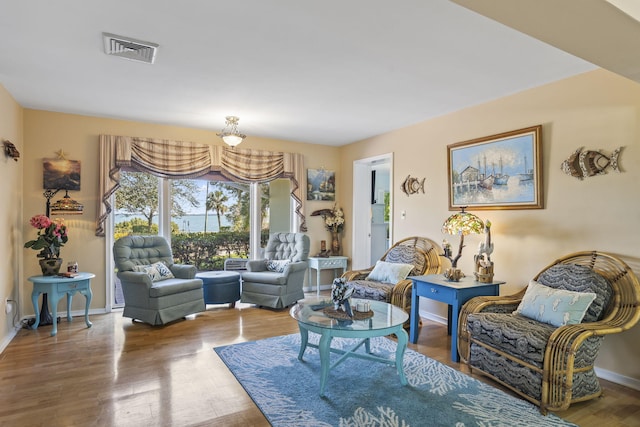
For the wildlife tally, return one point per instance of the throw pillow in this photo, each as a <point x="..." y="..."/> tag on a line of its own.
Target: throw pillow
<point x="149" y="270"/>
<point x="389" y="272"/>
<point x="556" y="307"/>
<point x="163" y="270"/>
<point x="277" y="265"/>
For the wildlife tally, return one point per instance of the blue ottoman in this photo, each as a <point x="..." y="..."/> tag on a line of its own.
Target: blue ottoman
<point x="220" y="287"/>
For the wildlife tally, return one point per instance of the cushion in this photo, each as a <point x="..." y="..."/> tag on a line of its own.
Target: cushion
<point x="556" y="307"/>
<point x="150" y="271"/>
<point x="580" y="278"/>
<point x="389" y="272"/>
<point x="407" y="255"/>
<point x="163" y="270"/>
<point x="376" y="291"/>
<point x="277" y="265"/>
<point x="156" y="271"/>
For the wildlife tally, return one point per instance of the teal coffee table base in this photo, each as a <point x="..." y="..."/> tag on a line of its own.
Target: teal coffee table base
<point x="387" y="319"/>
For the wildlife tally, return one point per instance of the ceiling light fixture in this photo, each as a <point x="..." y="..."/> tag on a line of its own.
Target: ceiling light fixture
<point x="230" y="134"/>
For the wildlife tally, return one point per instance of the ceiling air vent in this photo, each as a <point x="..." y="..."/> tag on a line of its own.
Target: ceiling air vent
<point x="128" y="48"/>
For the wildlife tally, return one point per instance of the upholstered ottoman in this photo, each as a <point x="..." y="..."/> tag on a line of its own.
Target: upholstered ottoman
<point x="220" y="287"/>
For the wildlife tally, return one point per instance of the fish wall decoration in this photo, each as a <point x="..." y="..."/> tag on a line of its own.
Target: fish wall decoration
<point x="412" y="185"/>
<point x="585" y="163"/>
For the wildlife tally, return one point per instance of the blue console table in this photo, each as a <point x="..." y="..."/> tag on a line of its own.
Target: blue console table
<point x="56" y="287"/>
<point x="438" y="288"/>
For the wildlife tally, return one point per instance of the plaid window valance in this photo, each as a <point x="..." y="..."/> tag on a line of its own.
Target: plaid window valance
<point x="187" y="160"/>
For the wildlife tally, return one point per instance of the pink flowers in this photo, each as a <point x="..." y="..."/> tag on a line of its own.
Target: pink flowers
<point x="40" y="221"/>
<point x="51" y="236"/>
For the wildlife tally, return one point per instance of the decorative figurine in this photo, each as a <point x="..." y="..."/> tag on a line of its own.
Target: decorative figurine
<point x="412" y="185"/>
<point x="340" y="294"/>
<point x="484" y="265"/>
<point x="583" y="164"/>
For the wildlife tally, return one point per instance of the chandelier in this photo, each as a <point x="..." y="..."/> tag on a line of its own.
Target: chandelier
<point x="230" y="134"/>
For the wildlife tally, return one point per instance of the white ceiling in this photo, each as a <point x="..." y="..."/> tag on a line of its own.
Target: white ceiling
<point x="327" y="72"/>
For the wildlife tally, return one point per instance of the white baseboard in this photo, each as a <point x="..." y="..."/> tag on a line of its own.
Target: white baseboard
<point x="614" y="377"/>
<point x="7" y="340"/>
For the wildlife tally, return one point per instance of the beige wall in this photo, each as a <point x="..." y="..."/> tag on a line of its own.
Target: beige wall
<point x="597" y="110"/>
<point x="10" y="216"/>
<point x="47" y="132"/>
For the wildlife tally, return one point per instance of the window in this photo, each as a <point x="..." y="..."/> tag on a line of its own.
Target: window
<point x="209" y="221"/>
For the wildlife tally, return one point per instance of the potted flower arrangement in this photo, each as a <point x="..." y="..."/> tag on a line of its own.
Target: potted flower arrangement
<point x="52" y="235"/>
<point x="334" y="222"/>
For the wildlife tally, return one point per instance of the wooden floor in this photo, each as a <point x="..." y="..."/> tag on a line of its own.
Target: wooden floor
<point x="120" y="373"/>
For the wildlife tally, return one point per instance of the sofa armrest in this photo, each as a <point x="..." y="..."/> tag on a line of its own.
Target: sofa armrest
<point x="135" y="278"/>
<point x="296" y="266"/>
<point x="183" y="271"/>
<point x="494" y="304"/>
<point x="355" y="275"/>
<point x="256" y="265"/>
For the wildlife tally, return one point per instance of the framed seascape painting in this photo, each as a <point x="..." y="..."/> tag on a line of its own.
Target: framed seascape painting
<point x="321" y="184"/>
<point x="501" y="171"/>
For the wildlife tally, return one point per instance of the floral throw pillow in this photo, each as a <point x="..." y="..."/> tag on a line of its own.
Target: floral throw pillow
<point x="556" y="307"/>
<point x="277" y="265"/>
<point x="163" y="270"/>
<point x="156" y="271"/>
<point x="149" y="270"/>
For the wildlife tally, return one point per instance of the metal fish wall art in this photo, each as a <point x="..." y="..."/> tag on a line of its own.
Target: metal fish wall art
<point x="412" y="185"/>
<point x="585" y="163"/>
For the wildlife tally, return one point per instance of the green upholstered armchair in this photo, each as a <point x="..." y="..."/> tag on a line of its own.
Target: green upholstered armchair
<point x="151" y="294"/>
<point x="277" y="280"/>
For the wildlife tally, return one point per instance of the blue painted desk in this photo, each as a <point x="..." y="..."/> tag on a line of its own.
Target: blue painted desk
<point x="455" y="294"/>
<point x="56" y="287"/>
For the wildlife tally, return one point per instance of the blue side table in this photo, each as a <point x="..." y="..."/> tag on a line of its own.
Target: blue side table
<point x="56" y="287"/>
<point x="455" y="294"/>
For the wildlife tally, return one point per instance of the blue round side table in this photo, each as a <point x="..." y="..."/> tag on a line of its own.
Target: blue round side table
<point x="220" y="287"/>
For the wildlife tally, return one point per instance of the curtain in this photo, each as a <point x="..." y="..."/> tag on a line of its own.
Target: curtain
<point x="185" y="160"/>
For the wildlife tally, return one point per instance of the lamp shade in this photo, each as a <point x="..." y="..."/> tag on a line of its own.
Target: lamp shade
<point x="67" y="206"/>
<point x="463" y="223"/>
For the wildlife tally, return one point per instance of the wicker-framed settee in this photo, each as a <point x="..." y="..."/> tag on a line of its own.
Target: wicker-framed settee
<point x="551" y="366"/>
<point x="421" y="252"/>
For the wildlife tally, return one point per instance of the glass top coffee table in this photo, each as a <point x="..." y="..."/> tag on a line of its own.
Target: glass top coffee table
<point x="387" y="319"/>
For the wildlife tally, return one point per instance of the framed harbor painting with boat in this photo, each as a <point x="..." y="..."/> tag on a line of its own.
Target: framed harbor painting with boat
<point x="501" y="171"/>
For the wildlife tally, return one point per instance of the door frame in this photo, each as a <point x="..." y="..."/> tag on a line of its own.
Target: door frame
<point x="361" y="235"/>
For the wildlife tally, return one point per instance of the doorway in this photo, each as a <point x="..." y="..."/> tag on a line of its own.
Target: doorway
<point x="372" y="209"/>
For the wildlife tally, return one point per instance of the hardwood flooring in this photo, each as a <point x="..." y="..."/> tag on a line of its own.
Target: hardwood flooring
<point x="120" y="373"/>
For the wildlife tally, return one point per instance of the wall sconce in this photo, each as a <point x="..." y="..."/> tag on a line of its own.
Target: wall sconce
<point x="64" y="206"/>
<point x="230" y="134"/>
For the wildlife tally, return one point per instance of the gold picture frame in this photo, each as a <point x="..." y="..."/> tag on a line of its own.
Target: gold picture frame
<point x="502" y="171"/>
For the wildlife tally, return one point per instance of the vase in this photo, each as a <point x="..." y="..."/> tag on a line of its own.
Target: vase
<point x="50" y="267"/>
<point x="335" y="243"/>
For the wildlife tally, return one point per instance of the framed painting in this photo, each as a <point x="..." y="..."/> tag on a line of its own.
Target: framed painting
<point x="321" y="184"/>
<point x="501" y="171"/>
<point x="61" y="174"/>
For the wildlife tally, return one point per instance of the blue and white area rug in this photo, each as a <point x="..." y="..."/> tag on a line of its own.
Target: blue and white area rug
<point x="365" y="393"/>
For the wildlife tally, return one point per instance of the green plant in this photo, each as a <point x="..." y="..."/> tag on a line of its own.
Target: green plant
<point x="51" y="236"/>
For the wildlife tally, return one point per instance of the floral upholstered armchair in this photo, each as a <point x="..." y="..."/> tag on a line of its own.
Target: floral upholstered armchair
<point x="387" y="280"/>
<point x="543" y="341"/>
